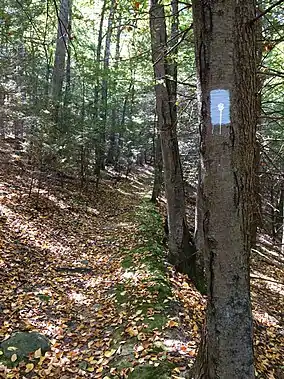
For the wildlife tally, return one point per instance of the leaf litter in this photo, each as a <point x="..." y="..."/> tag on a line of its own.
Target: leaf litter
<point x="74" y="268"/>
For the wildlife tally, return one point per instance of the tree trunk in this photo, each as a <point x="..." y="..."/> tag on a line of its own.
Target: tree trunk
<point x="226" y="70"/>
<point x="97" y="59"/>
<point x="2" y="113"/>
<point x="199" y="234"/>
<point x="67" y="94"/>
<point x="181" y="248"/>
<point x="158" y="178"/>
<point x="282" y="213"/>
<point x="257" y="218"/>
<point x="114" y="133"/>
<point x="60" y="55"/>
<point x="100" y="146"/>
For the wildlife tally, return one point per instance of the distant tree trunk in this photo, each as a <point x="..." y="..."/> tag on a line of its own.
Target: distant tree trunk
<point x="114" y="133"/>
<point x="60" y="56"/>
<point x="100" y="146"/>
<point x="97" y="58"/>
<point x="68" y="63"/>
<point x="226" y="70"/>
<point x="2" y="102"/>
<point x="121" y="132"/>
<point x="181" y="249"/>
<point x="158" y="177"/>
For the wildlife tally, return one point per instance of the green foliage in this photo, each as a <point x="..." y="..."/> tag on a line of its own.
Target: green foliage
<point x="151" y="225"/>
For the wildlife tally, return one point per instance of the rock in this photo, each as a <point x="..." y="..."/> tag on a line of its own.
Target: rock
<point x="22" y="344"/>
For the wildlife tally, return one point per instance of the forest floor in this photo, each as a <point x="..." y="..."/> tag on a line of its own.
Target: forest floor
<point x="88" y="271"/>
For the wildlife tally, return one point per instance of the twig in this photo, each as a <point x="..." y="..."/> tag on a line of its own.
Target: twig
<point x="267" y="11"/>
<point x="267" y="280"/>
<point x="174" y="46"/>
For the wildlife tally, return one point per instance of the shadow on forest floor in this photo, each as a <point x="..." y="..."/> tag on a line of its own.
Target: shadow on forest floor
<point x="71" y="269"/>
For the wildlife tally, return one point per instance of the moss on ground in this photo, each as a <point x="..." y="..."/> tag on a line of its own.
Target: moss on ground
<point x="148" y="258"/>
<point x="163" y="371"/>
<point x="144" y="290"/>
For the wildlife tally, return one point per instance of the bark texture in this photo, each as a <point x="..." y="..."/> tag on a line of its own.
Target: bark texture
<point x="158" y="178"/>
<point x="100" y="145"/>
<point x="60" y="54"/>
<point x="181" y="248"/>
<point x="226" y="60"/>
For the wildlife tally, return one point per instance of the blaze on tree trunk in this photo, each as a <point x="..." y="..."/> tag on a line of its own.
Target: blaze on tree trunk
<point x="226" y="70"/>
<point x="181" y="248"/>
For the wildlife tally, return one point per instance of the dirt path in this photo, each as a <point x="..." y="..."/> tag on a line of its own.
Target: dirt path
<point x="89" y="273"/>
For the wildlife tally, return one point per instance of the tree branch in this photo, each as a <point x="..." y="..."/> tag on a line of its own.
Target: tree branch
<point x="267" y="11"/>
<point x="174" y="46"/>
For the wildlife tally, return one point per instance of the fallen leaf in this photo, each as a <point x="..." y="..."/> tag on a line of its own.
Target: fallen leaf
<point x="109" y="353"/>
<point x="132" y="332"/>
<point x="37" y="353"/>
<point x="14" y="357"/>
<point x="29" y="367"/>
<point x="172" y="323"/>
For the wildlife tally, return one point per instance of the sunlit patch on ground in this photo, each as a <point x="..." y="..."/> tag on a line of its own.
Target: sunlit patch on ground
<point x="62" y="273"/>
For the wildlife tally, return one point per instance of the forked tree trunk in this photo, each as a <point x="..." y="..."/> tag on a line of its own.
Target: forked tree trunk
<point x="226" y="70"/>
<point x="181" y="248"/>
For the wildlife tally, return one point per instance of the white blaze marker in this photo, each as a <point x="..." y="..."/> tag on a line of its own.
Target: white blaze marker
<point x="219" y="108"/>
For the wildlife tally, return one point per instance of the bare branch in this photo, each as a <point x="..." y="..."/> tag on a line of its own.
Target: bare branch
<point x="267" y="11"/>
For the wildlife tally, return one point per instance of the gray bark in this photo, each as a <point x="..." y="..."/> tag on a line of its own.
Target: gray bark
<point x="97" y="58"/>
<point x="226" y="60"/>
<point x="60" y="55"/>
<point x="199" y="234"/>
<point x="100" y="146"/>
<point x="181" y="250"/>
<point x="68" y="63"/>
<point x="2" y="113"/>
<point x="114" y="134"/>
<point x="158" y="177"/>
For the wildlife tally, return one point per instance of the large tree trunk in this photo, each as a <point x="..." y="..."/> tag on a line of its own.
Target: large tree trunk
<point x="226" y="68"/>
<point x="181" y="248"/>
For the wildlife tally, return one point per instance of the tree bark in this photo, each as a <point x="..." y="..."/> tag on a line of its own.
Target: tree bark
<point x="115" y="132"/>
<point x="60" y="56"/>
<point x="158" y="176"/>
<point x="67" y="95"/>
<point x="226" y="68"/>
<point x="181" y="248"/>
<point x="100" y="146"/>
